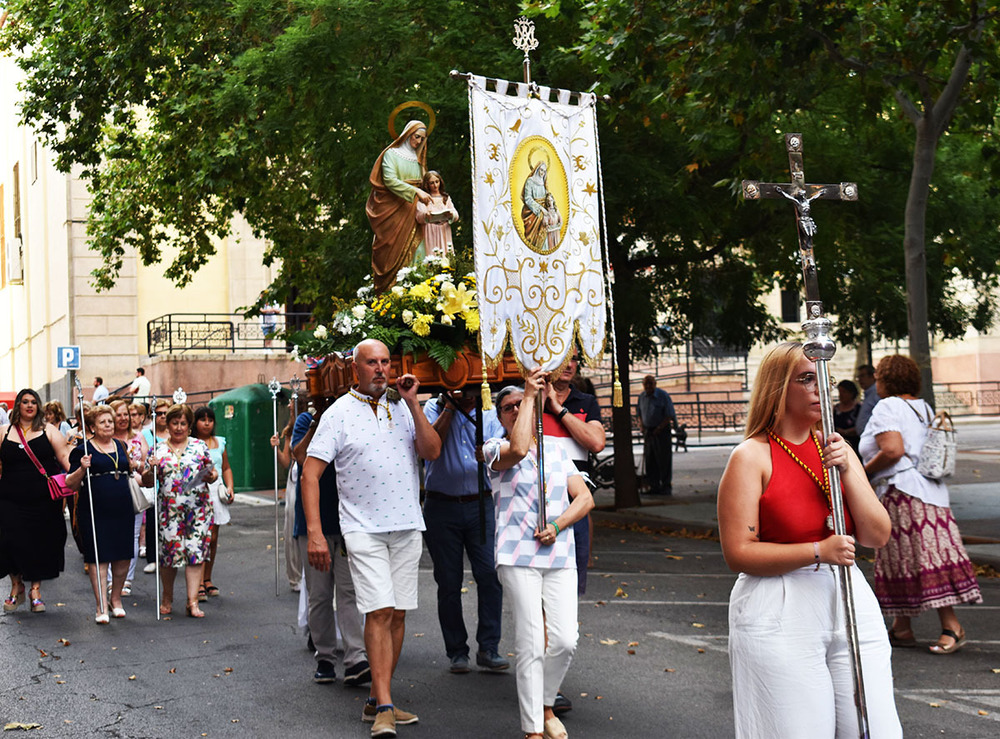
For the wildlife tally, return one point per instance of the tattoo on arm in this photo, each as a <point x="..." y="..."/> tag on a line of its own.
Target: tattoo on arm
<point x="753" y="530"/>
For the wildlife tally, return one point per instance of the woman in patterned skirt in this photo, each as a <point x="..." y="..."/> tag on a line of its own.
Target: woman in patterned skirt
<point x="924" y="565"/>
<point x="536" y="564"/>
<point x="185" y="469"/>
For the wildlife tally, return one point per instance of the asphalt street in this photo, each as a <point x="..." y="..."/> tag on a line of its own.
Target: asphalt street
<point x="651" y="660"/>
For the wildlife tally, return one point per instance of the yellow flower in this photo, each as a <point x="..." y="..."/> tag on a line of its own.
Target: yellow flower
<point x="471" y="318"/>
<point x="456" y="300"/>
<point x="421" y="291"/>
<point x="422" y="324"/>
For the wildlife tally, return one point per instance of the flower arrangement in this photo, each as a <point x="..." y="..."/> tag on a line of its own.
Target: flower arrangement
<point x="431" y="308"/>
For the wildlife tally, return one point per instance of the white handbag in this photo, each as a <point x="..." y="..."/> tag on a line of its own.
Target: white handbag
<point x="937" y="457"/>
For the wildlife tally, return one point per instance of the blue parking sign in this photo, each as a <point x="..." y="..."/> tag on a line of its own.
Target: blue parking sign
<point x="68" y="357"/>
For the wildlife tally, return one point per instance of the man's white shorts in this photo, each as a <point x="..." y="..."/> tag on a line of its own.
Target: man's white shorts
<point x="384" y="568"/>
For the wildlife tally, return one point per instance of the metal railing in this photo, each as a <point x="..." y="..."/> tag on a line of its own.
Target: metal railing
<point x="725" y="411"/>
<point x="178" y="333"/>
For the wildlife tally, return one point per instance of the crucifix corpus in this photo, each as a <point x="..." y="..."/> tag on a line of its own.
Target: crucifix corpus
<point x="820" y="348"/>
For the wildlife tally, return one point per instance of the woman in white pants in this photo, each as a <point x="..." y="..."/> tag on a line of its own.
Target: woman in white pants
<point x="536" y="564"/>
<point x="787" y="639"/>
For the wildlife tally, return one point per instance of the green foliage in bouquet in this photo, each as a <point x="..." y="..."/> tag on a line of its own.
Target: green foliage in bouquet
<point x="431" y="308"/>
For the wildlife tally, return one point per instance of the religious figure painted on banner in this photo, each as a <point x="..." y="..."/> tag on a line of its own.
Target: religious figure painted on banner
<point x="540" y="195"/>
<point x="437" y="217"/>
<point x="396" y="182"/>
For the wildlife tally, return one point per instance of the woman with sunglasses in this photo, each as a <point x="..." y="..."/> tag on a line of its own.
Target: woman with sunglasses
<point x="536" y="563"/>
<point x="787" y="639"/>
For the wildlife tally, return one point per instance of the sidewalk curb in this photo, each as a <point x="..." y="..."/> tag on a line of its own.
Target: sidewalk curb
<point x="984" y="552"/>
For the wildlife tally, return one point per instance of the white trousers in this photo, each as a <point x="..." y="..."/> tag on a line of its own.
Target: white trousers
<point x="540" y="671"/>
<point x="791" y="662"/>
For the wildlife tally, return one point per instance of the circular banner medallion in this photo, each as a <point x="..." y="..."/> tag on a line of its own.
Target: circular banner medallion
<point x="539" y="195"/>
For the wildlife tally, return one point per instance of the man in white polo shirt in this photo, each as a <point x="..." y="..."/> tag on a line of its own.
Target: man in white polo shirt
<point x="374" y="443"/>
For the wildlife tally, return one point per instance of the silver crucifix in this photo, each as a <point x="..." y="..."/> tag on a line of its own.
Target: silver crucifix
<point x="820" y="348"/>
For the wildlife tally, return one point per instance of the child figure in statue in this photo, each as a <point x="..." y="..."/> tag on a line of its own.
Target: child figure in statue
<point x="553" y="222"/>
<point x="437" y="217"/>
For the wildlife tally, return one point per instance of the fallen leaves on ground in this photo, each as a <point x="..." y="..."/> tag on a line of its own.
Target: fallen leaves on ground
<point x="20" y="726"/>
<point x="609" y="642"/>
<point x="698" y="625"/>
<point x="619" y="593"/>
<point x="64" y="642"/>
<point x="669" y="669"/>
<point x="674" y="556"/>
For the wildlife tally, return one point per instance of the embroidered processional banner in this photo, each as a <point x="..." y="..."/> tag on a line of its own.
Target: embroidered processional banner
<point x="536" y="222"/>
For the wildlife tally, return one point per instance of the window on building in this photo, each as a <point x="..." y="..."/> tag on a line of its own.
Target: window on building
<point x="790" y="303"/>
<point x="13" y="263"/>
<point x="3" y="244"/>
<point x="17" y="200"/>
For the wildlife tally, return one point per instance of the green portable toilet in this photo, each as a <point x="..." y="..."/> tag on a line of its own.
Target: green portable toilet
<point x="245" y="416"/>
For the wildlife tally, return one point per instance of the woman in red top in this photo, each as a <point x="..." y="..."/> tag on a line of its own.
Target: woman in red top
<point x="787" y="640"/>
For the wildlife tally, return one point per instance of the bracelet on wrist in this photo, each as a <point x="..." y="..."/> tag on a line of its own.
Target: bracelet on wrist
<point x="560" y="414"/>
<point x="556" y="527"/>
<point x="816" y="553"/>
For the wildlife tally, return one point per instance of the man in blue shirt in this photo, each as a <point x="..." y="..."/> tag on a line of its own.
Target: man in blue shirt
<point x="320" y="585"/>
<point x="866" y="379"/>
<point x="656" y="418"/>
<point x="451" y="514"/>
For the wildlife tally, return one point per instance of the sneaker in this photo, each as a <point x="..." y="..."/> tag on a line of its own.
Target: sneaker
<point x="460" y="664"/>
<point x="491" y="661"/>
<point x="561" y="705"/>
<point x="358" y="674"/>
<point x="384" y="724"/>
<point x="150" y="568"/>
<point x="403" y="718"/>
<point x="325" y="672"/>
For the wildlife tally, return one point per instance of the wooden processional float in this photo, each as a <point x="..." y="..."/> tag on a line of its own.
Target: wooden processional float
<point x="539" y="237"/>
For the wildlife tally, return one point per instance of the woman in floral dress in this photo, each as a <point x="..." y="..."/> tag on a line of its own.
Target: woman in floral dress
<point x="184" y="468"/>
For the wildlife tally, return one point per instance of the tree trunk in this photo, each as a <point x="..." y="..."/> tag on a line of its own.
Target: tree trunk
<point x="626" y="486"/>
<point x="914" y="248"/>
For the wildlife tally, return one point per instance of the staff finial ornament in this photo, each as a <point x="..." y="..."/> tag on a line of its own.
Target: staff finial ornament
<point x="524" y="39"/>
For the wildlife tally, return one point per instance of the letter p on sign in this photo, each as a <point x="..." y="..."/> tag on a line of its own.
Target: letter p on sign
<point x="68" y="357"/>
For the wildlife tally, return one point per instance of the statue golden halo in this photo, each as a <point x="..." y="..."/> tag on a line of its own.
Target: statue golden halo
<point x="411" y="104"/>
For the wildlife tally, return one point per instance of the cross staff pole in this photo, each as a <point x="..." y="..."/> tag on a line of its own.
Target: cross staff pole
<point x="275" y="387"/>
<point x="820" y="347"/>
<point x="155" y="523"/>
<point x="90" y="501"/>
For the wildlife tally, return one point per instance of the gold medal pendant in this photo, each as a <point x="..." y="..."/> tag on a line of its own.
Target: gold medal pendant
<point x="829" y="522"/>
<point x="116" y="474"/>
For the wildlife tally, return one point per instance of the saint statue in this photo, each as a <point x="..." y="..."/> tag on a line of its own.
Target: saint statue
<point x="392" y="204"/>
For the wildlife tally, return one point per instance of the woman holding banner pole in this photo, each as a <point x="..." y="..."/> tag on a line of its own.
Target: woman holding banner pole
<point x="99" y="469"/>
<point x="788" y="643"/>
<point x="535" y="554"/>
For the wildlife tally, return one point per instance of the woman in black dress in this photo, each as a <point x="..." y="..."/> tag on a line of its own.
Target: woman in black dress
<point x="32" y="528"/>
<point x="109" y="465"/>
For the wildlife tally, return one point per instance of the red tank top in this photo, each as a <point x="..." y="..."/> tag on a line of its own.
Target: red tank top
<point x="793" y="508"/>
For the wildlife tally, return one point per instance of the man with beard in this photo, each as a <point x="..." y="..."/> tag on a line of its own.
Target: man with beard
<point x="374" y="442"/>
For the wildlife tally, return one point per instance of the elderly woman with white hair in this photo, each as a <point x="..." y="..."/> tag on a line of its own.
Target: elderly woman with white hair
<point x="536" y="560"/>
